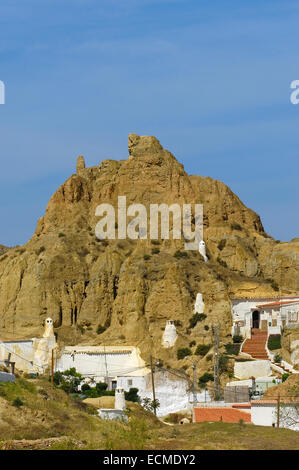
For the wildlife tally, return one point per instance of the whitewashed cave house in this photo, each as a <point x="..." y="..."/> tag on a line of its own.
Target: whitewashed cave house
<point x="264" y="313"/>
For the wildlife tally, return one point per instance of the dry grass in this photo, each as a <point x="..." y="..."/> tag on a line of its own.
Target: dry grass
<point x="224" y="436"/>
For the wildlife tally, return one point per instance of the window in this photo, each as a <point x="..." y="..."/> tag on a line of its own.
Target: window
<point x="130" y="382"/>
<point x="114" y="384"/>
<point x="292" y="316"/>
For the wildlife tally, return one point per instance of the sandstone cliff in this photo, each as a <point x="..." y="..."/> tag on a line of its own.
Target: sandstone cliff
<point x="123" y="291"/>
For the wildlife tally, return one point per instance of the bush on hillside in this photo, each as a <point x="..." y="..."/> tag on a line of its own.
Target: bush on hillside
<point x="202" y="349"/>
<point x="206" y="377"/>
<point x="232" y="348"/>
<point x="274" y="342"/>
<point x="237" y="338"/>
<point x="196" y="318"/>
<point x="183" y="352"/>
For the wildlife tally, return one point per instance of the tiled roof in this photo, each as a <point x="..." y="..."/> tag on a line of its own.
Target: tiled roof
<point x="273" y="401"/>
<point x="227" y="415"/>
<point x="253" y="297"/>
<point x="241" y="405"/>
<point x="273" y="304"/>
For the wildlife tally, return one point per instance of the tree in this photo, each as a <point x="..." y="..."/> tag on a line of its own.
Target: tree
<point x="132" y="395"/>
<point x="150" y="405"/>
<point x="69" y="380"/>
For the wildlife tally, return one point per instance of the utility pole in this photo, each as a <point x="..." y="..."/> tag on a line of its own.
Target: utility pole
<point x="194" y="384"/>
<point x="194" y="390"/>
<point x="216" y="363"/>
<point x="278" y="409"/>
<point x="52" y="368"/>
<point x="153" y="383"/>
<point x="106" y="368"/>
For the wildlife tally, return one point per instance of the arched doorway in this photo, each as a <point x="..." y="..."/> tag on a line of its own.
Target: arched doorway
<point x="255" y="319"/>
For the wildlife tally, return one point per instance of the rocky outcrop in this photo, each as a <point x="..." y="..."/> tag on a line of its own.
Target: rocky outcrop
<point x="124" y="291"/>
<point x="3" y="249"/>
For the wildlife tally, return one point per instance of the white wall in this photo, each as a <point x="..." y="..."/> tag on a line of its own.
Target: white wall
<point x="263" y="415"/>
<point x="256" y="368"/>
<point x="266" y="414"/>
<point x="94" y="362"/>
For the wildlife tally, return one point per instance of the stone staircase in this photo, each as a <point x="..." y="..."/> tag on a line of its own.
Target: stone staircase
<point x="256" y="346"/>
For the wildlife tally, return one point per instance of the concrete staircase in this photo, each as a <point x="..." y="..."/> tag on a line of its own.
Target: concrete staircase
<point x="256" y="346"/>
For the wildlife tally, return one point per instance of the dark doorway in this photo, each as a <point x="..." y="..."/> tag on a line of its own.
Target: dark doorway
<point x="256" y="319"/>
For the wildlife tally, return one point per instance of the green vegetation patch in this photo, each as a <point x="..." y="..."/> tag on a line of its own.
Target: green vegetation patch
<point x="202" y="349"/>
<point x="232" y="348"/>
<point x="274" y="342"/>
<point x="183" y="352"/>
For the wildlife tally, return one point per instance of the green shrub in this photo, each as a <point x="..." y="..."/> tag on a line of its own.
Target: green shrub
<point x="91" y="393"/>
<point x="237" y="338"/>
<point x="193" y="343"/>
<point x="132" y="395"/>
<point x="183" y="352"/>
<point x="146" y="257"/>
<point x="206" y="377"/>
<point x="100" y="329"/>
<point x="232" y="348"/>
<point x="61" y="235"/>
<point x="155" y="251"/>
<point x="277" y="358"/>
<point x="69" y="380"/>
<point x="223" y="363"/>
<point x="17" y="402"/>
<point x="274" y="342"/>
<point x="180" y="254"/>
<point x="285" y="376"/>
<point x="209" y="357"/>
<point x="85" y="387"/>
<point x="101" y="386"/>
<point x="196" y="318"/>
<point x="202" y="349"/>
<point x="206" y="327"/>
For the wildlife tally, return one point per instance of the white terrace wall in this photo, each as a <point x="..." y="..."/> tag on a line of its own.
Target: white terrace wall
<point x="266" y="415"/>
<point x="7" y="377"/>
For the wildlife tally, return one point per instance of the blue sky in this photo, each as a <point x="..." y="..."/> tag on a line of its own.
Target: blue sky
<point x="210" y="79"/>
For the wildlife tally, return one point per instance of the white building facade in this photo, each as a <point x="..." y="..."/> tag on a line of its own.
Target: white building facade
<point x="30" y="355"/>
<point x="269" y="314"/>
<point x="123" y="368"/>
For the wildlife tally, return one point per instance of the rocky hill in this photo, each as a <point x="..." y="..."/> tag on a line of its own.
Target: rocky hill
<point x="123" y="291"/>
<point x="3" y="249"/>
